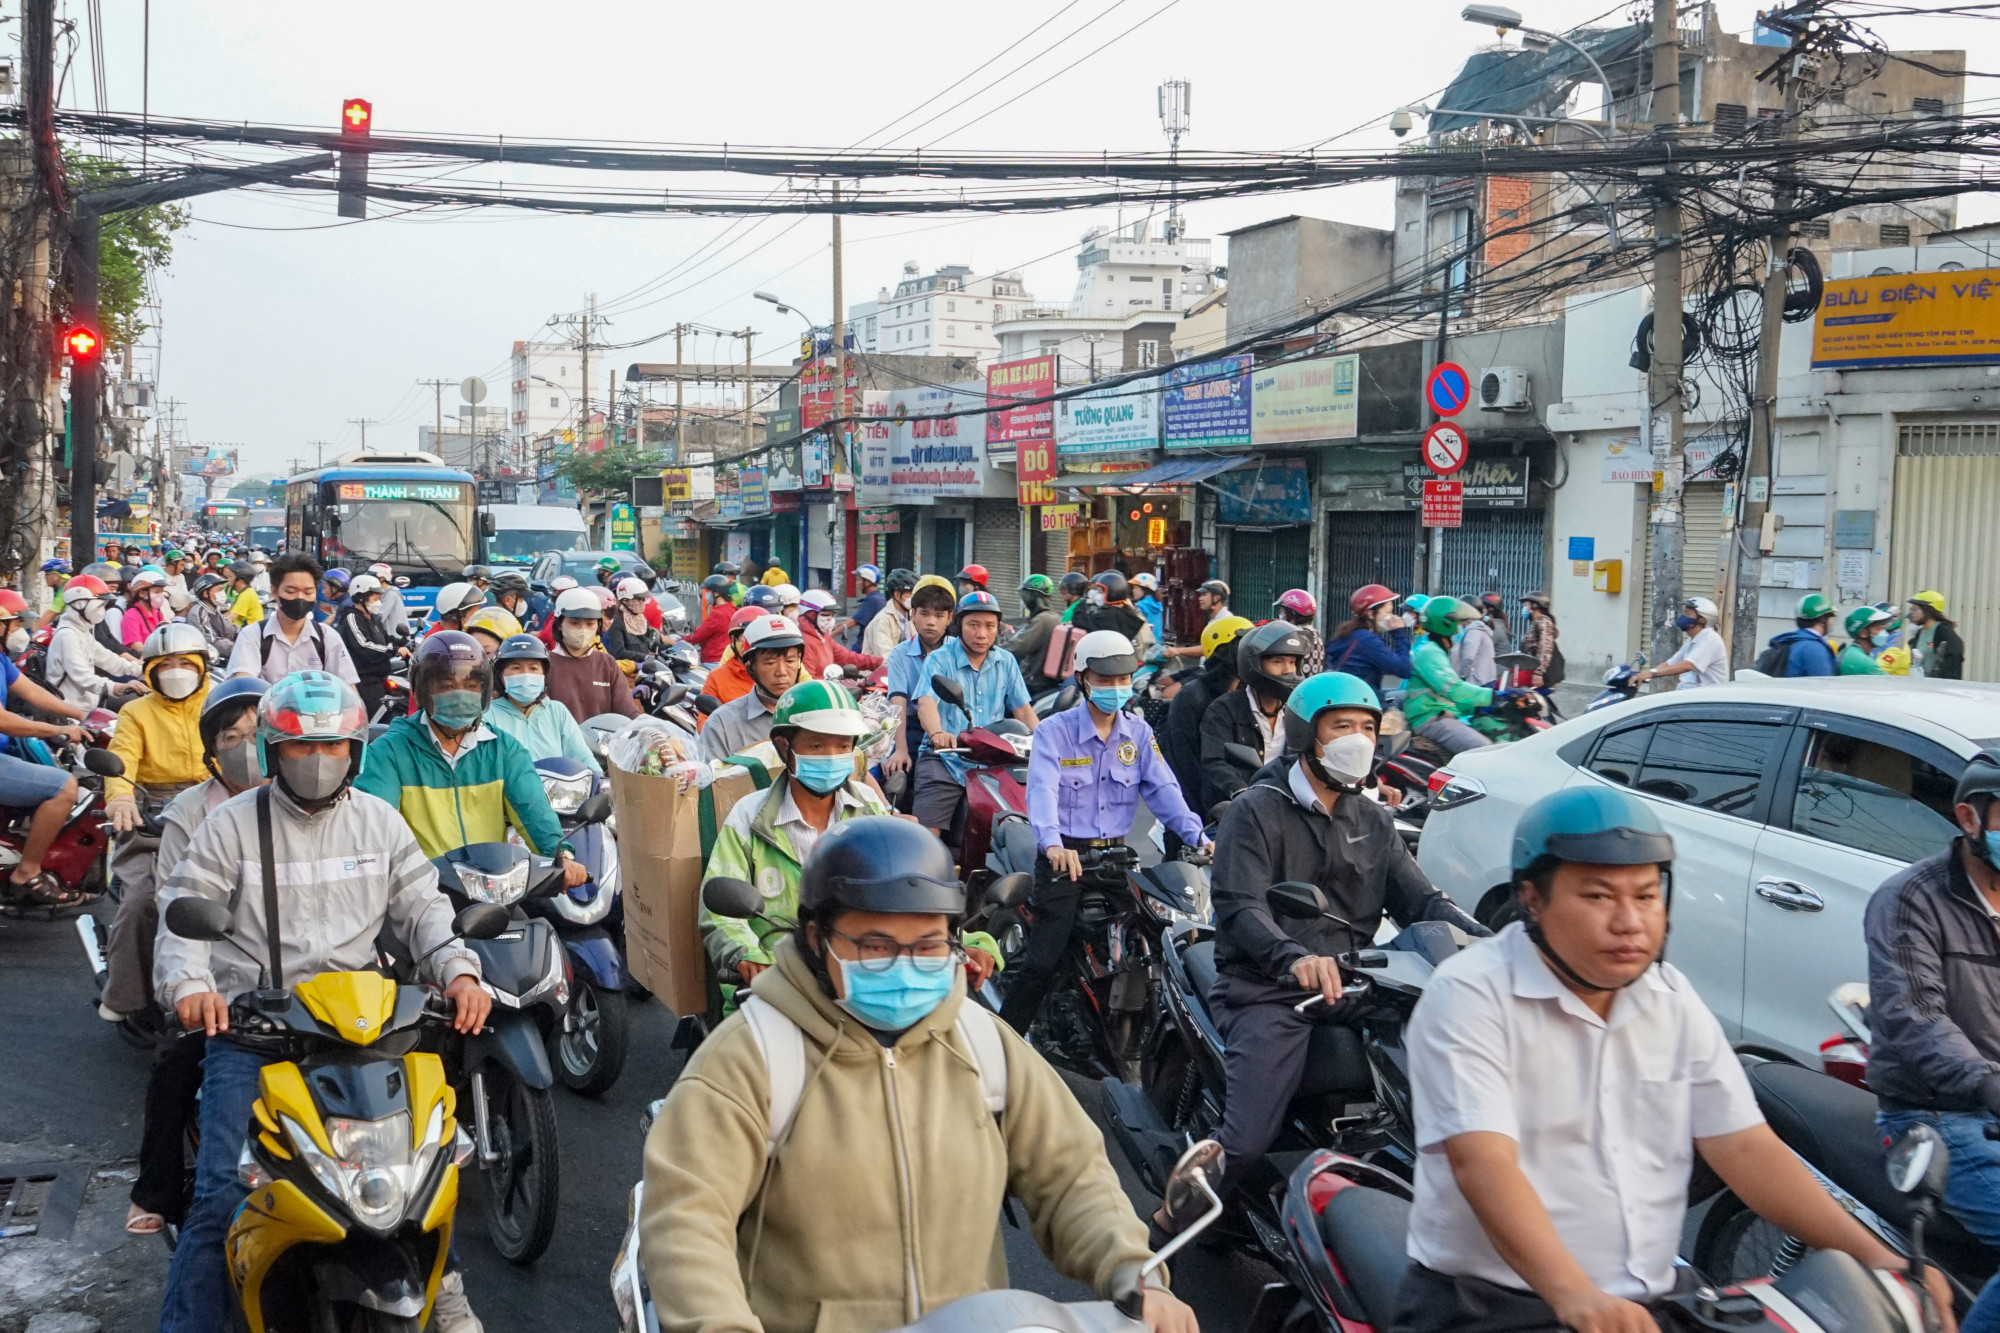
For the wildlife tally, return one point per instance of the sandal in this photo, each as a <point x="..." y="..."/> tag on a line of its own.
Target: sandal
<point x="45" y="890"/>
<point x="142" y="1223"/>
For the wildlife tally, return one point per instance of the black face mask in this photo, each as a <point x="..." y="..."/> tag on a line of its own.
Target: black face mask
<point x="295" y="608"/>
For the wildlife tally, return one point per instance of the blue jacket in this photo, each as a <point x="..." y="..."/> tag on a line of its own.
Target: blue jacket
<point x="1364" y="654"/>
<point x="1811" y="654"/>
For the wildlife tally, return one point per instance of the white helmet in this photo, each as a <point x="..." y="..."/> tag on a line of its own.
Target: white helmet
<point x="561" y="583"/>
<point x="629" y="587"/>
<point x="457" y="597"/>
<point x="818" y="599"/>
<point x="1106" y="652"/>
<point x="788" y="594"/>
<point x="1705" y="609"/>
<point x="382" y="571"/>
<point x="581" y="603"/>
<point x="363" y="584"/>
<point x="770" y="632"/>
<point x="176" y="638"/>
<point x="146" y="578"/>
<point x="260" y="557"/>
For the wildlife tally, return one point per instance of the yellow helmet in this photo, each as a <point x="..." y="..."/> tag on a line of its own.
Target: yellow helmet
<point x="1934" y="600"/>
<point x="495" y="620"/>
<point x="938" y="581"/>
<point x="1220" y="632"/>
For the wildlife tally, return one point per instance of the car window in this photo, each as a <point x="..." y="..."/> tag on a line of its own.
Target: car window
<point x="1873" y="797"/>
<point x="1716" y="765"/>
<point x="1618" y="755"/>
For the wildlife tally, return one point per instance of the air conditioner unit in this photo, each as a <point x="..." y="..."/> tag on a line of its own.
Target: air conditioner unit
<point x="1504" y="389"/>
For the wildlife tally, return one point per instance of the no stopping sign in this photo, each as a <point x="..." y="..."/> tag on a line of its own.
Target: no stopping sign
<point x="1445" y="448"/>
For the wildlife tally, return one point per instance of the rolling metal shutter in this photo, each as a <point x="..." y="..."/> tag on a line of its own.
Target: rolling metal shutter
<point x="996" y="544"/>
<point x="1947" y="492"/>
<point x="1263" y="563"/>
<point x="1055" y="554"/>
<point x="1369" y="546"/>
<point x="1497" y="550"/>
<point x="1701" y="546"/>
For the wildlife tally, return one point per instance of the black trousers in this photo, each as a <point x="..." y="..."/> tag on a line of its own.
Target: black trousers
<point x="1028" y="979"/>
<point x="170" y="1107"/>
<point x="1434" y="1302"/>
<point x="1263" y="1063"/>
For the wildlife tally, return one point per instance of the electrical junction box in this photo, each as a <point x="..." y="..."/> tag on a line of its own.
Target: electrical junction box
<point x="1504" y="389"/>
<point x="1607" y="576"/>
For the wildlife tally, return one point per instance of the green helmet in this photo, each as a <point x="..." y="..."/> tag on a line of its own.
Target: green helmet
<point x="1812" y="606"/>
<point x="1862" y="618"/>
<point x="1327" y="690"/>
<point x="1442" y="615"/>
<point x="1593" y="826"/>
<point x="1040" y="583"/>
<point x="819" y="706"/>
<point x="608" y="562"/>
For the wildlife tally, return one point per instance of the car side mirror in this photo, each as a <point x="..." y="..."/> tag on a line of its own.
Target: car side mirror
<point x="595" y="810"/>
<point x="948" y="690"/>
<point x="198" y="919"/>
<point x="1011" y="890"/>
<point x="104" y="763"/>
<point x="1243" y="756"/>
<point x="726" y="895"/>
<point x="478" y="921"/>
<point x="1296" y="899"/>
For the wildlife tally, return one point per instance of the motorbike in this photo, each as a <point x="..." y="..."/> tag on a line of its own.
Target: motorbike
<point x="590" y="920"/>
<point x="1620" y="683"/>
<point x="395" y="701"/>
<point x="354" y="1148"/>
<point x="995" y="787"/>
<point x="1344" y="1225"/>
<point x="78" y="858"/>
<point x="503" y="1072"/>
<point x="657" y="692"/>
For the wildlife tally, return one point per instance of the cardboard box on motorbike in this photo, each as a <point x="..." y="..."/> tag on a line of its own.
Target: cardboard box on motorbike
<point x="664" y="834"/>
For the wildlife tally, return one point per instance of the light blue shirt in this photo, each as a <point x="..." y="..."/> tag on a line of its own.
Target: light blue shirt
<point x="993" y="690"/>
<point x="906" y="665"/>
<point x="1151" y="608"/>
<point x="545" y="731"/>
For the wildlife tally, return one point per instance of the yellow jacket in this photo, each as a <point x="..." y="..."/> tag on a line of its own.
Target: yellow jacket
<point x="160" y="741"/>
<point x="247" y="609"/>
<point x="883" y="1201"/>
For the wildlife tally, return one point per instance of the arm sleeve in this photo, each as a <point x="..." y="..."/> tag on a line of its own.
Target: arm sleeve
<point x="1460" y="1064"/>
<point x="1242" y="844"/>
<point x="1162" y="792"/>
<point x="1545" y="645"/>
<point x="1045" y="792"/>
<point x="1906" y="1000"/>
<point x="379" y="776"/>
<point x="1220" y="779"/>
<point x="208" y="869"/>
<point x="419" y="913"/>
<point x="128" y="742"/>
<point x="847" y="657"/>
<point x="1017" y="688"/>
<point x="730" y="939"/>
<point x="1434" y="670"/>
<point x="574" y="746"/>
<point x="1720" y="1100"/>
<point x="528" y="806"/>
<point x="132" y="628"/>
<point x="1392" y="657"/>
<point x="1950" y="654"/>
<point x="244" y="656"/>
<point x="1033" y="644"/>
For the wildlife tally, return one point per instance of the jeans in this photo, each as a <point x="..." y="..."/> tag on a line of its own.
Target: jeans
<point x="1971" y="1192"/>
<point x="198" y="1298"/>
<point x="1455" y="736"/>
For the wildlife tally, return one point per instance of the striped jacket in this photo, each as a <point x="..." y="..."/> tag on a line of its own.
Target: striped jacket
<point x="447" y="805"/>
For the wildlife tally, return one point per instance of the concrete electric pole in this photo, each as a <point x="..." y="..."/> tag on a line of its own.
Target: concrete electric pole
<point x="1664" y="403"/>
<point x="836" y="507"/>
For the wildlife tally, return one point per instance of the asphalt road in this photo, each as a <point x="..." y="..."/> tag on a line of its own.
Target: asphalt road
<point x="80" y="1094"/>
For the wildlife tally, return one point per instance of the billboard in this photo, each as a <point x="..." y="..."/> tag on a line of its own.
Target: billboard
<point x="1206" y="404"/>
<point x="931" y="459"/>
<point x="1909" y="319"/>
<point x="1305" y="402"/>
<point x="871" y="447"/>
<point x="210" y="462"/>
<point x="1032" y="377"/>
<point x="1109" y="421"/>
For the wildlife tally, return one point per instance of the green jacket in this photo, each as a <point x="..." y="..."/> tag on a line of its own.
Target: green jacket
<point x="1855" y="661"/>
<point x="1435" y="690"/>
<point x="493" y="785"/>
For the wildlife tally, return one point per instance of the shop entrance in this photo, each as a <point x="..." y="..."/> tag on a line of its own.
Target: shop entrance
<point x="1370" y="546"/>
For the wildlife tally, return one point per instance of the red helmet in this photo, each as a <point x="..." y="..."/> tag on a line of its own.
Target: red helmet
<point x="745" y="616"/>
<point x="1297" y="600"/>
<point x="973" y="574"/>
<point x="12" y="604"/>
<point x="84" y="585"/>
<point x="1372" y="595"/>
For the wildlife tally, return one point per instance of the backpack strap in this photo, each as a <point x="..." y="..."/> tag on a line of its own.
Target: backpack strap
<point x="783" y="1047"/>
<point x="267" y="868"/>
<point x="981" y="1033"/>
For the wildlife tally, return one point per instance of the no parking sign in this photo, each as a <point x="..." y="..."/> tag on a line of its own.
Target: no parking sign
<point x="1448" y="389"/>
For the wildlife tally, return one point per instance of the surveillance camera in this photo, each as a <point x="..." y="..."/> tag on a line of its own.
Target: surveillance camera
<point x="1401" y="123"/>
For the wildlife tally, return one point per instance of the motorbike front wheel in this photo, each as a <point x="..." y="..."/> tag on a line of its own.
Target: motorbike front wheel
<point x="590" y="1051"/>
<point x="523" y="1185"/>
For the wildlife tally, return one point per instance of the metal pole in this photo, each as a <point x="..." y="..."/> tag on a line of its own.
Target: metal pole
<point x="1667" y="534"/>
<point x="836" y="510"/>
<point x="680" y="412"/>
<point x="86" y="379"/>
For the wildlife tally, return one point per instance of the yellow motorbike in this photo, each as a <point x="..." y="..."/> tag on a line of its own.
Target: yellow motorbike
<point x="353" y="1150"/>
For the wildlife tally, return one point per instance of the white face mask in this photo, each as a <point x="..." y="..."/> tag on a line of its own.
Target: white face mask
<point x="93" y="611"/>
<point x="177" y="682"/>
<point x="826" y="622"/>
<point x="1348" y="758"/>
<point x="18" y="640"/>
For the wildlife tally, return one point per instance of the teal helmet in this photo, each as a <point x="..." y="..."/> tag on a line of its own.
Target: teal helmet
<point x="309" y="706"/>
<point x="1318" y="694"/>
<point x="1591" y="826"/>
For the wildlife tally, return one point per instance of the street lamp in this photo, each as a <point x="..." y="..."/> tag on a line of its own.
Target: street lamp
<point x="1503" y="20"/>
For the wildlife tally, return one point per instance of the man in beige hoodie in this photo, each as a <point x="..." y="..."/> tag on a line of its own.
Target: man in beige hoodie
<point x="877" y="1199"/>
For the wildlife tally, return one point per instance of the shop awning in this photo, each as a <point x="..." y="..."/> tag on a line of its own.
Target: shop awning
<point x="1173" y="472"/>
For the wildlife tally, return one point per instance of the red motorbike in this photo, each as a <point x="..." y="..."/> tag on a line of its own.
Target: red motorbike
<point x="996" y="792"/>
<point x="76" y="860"/>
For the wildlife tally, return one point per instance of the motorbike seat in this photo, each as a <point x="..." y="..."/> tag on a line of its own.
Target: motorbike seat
<point x="1199" y="959"/>
<point x="1364" y="1229"/>
<point x="1336" y="1062"/>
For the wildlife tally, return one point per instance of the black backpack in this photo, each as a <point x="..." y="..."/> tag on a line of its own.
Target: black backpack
<point x="1777" y="655"/>
<point x="1558" y="669"/>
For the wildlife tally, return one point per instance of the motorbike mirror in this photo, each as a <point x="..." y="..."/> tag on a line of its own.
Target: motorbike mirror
<point x="198" y="919"/>
<point x="1011" y="890"/>
<point x="104" y="763"/>
<point x="707" y="704"/>
<point x="481" y="921"/>
<point x="1217" y="811"/>
<point x="1243" y="756"/>
<point x="1296" y="899"/>
<point x="947" y="689"/>
<point x="726" y="895"/>
<point x="1189" y="1185"/>
<point x="1917" y="1164"/>
<point x="595" y="810"/>
<point x="676" y="693"/>
<point x="549" y="882"/>
<point x="1067" y="696"/>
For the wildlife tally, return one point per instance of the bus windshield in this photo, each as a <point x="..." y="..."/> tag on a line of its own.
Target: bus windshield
<point x="433" y="531"/>
<point x="522" y="545"/>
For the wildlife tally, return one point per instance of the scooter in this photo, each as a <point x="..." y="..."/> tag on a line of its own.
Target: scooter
<point x="1620" y="683"/>
<point x="590" y="919"/>
<point x="77" y="859"/>
<point x="995" y="786"/>
<point x="353" y="1149"/>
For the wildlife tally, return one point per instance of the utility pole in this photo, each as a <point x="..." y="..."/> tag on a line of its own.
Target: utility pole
<point x="319" y="448"/>
<point x="31" y="398"/>
<point x="749" y="384"/>
<point x="86" y="385"/>
<point x="1747" y="551"/>
<point x="437" y="390"/>
<point x="680" y="406"/>
<point x="1667" y="534"/>
<point x="836" y="508"/>
<point x="583" y="425"/>
<point x="364" y="423"/>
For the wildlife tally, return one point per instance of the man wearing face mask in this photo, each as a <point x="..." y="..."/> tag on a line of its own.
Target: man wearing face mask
<point x="245" y="606"/>
<point x="210" y="613"/>
<point x="79" y="667"/>
<point x="817" y="620"/>
<point x="293" y="640"/>
<point x="1090" y="767"/>
<point x="522" y="708"/>
<point x="581" y="675"/>
<point x="455" y="780"/>
<point x="376" y="654"/>
<point x="159" y="739"/>
<point x="1267" y="664"/>
<point x="1438" y="701"/>
<point x="1306" y="818"/>
<point x="891" y="625"/>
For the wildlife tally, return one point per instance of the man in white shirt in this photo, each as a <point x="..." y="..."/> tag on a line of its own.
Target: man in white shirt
<point x="1703" y="658"/>
<point x="291" y="640"/>
<point x="1562" y="1079"/>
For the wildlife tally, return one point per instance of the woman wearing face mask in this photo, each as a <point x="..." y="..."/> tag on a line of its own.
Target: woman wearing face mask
<point x="522" y="709"/>
<point x="1438" y="702"/>
<point x="229" y="752"/>
<point x="81" y="669"/>
<point x="146" y="607"/>
<point x="376" y="655"/>
<point x="627" y="635"/>
<point x="210" y="612"/>
<point x="15" y="636"/>
<point x="159" y="738"/>
<point x="817" y="621"/>
<point x="868" y="992"/>
<point x="1373" y="641"/>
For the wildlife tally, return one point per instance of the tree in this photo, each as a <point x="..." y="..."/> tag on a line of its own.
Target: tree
<point x="132" y="246"/>
<point x="609" y="471"/>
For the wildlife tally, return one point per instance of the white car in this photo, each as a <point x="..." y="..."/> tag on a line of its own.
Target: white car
<point x="1789" y="802"/>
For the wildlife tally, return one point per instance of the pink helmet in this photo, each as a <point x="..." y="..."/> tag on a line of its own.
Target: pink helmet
<point x="1299" y="601"/>
<point x="605" y="597"/>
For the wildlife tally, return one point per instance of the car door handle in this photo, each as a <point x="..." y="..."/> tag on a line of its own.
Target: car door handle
<point x="1792" y="897"/>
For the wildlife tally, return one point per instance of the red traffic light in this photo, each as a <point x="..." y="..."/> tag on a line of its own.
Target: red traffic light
<point x="356" y="114"/>
<point x="82" y="344"/>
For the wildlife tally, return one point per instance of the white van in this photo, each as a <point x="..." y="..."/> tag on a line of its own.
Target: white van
<point x="516" y="534"/>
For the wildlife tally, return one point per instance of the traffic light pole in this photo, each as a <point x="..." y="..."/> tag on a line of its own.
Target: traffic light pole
<point x="86" y="387"/>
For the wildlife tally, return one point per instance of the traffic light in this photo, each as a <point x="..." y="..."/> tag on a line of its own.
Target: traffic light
<point x="357" y="116"/>
<point x="82" y="345"/>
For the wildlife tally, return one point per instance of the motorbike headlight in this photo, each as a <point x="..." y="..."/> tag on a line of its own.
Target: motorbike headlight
<point x="566" y="794"/>
<point x="505" y="887"/>
<point x="373" y="1170"/>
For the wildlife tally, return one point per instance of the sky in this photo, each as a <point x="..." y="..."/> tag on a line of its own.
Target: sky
<point x="280" y="324"/>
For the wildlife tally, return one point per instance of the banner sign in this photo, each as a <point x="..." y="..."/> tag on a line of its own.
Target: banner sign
<point x="1305" y="402"/>
<point x="1206" y="405"/>
<point x="1033" y="377"/>
<point x="679" y="486"/>
<point x="935" y="459"/>
<point x="624" y="527"/>
<point x="1444" y="504"/>
<point x="816" y="390"/>
<point x="871" y="449"/>
<point x="879" y="522"/>
<point x="753" y="488"/>
<point x="1271" y="493"/>
<point x="1909" y="319"/>
<point x="786" y="468"/>
<point x="1488" y="483"/>
<point x="1111" y="421"/>
<point x="1060" y="518"/>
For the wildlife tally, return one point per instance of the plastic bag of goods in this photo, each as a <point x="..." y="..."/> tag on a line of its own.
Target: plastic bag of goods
<point x="658" y="748"/>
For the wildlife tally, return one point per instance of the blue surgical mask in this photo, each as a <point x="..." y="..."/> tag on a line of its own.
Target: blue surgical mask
<point x="455" y="710"/>
<point x="1110" y="698"/>
<point x="525" y="688"/>
<point x="1993" y="847"/>
<point x="1684" y="623"/>
<point x="823" y="773"/>
<point x="896" y="998"/>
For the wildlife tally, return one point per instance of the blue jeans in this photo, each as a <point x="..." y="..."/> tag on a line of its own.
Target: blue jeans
<point x="1971" y="1192"/>
<point x="198" y="1296"/>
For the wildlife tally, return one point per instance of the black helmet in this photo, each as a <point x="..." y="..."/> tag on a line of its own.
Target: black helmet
<point x="450" y="657"/>
<point x="203" y="582"/>
<point x="522" y="648"/>
<point x="879" y="863"/>
<point x="1276" y="639"/>
<point x="1215" y="588"/>
<point x="242" y="569"/>
<point x="1074" y="583"/>
<point x="1116" y="587"/>
<point x="509" y="581"/>
<point x="900" y="580"/>
<point x="473" y="573"/>
<point x="226" y="703"/>
<point x="1980" y="778"/>
<point x="717" y="584"/>
<point x="729" y="569"/>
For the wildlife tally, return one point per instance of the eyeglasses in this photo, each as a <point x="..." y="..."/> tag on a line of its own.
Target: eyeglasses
<point x="878" y="953"/>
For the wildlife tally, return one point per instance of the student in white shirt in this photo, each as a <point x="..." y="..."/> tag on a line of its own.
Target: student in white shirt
<point x="292" y="639"/>
<point x="1702" y="658"/>
<point x="1562" y="1079"/>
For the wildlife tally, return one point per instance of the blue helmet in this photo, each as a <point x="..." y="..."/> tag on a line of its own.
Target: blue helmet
<point x="1590" y="825"/>
<point x="871" y="573"/>
<point x="55" y="566"/>
<point x="977" y="600"/>
<point x="223" y="706"/>
<point x="1318" y="694"/>
<point x="764" y="598"/>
